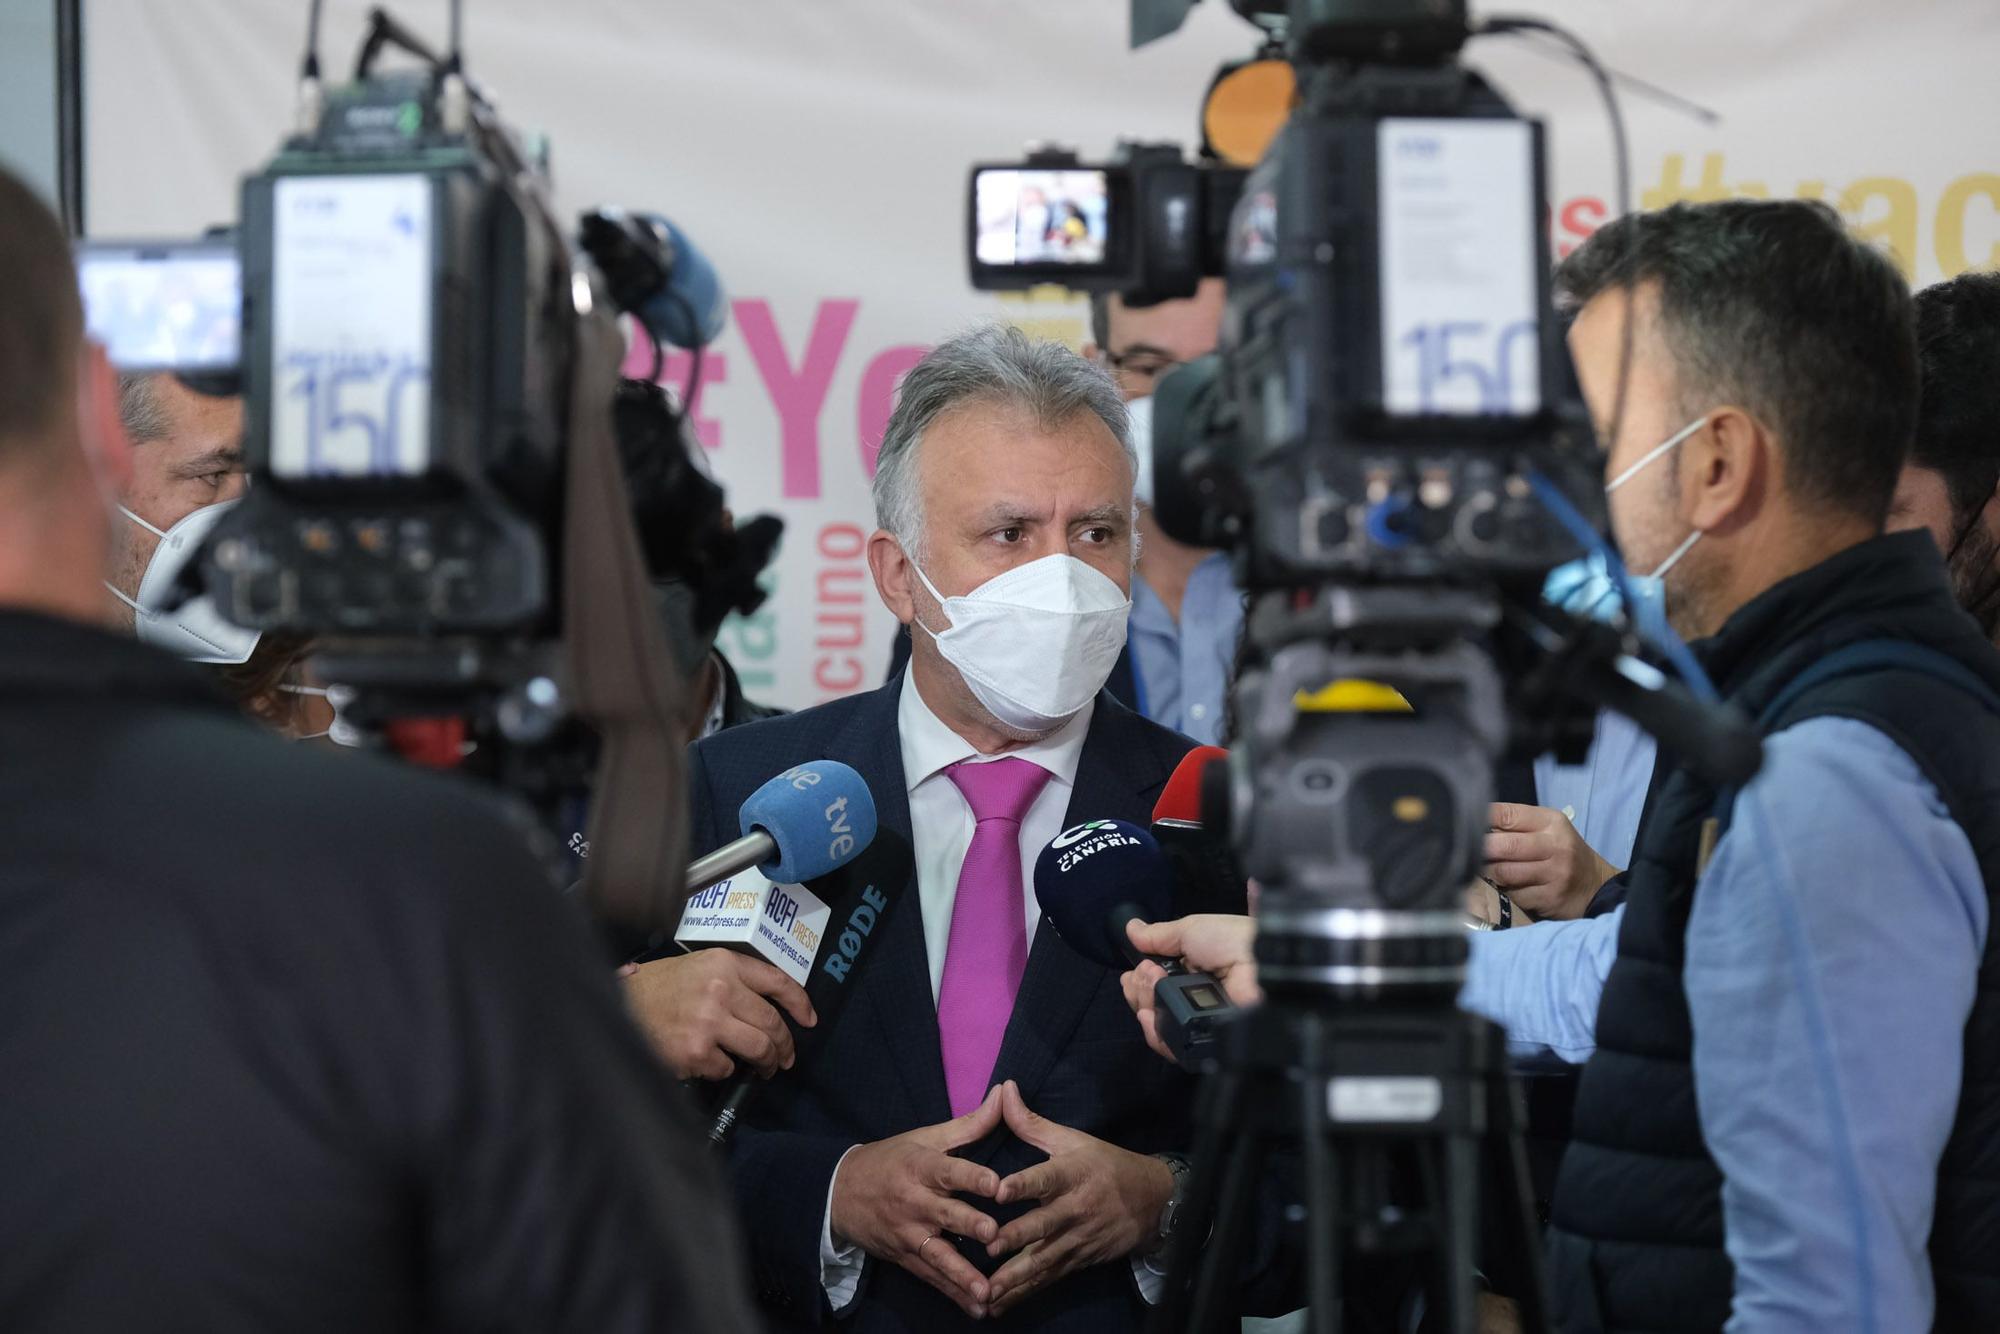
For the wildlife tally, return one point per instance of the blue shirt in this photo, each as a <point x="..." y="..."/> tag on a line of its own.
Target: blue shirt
<point x="1604" y="794"/>
<point x="1832" y="957"/>
<point x="1182" y="668"/>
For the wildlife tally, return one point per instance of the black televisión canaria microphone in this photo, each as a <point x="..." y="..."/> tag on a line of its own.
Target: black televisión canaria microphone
<point x="1092" y="882"/>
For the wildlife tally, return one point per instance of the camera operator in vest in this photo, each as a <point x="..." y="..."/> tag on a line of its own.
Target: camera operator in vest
<point x="1950" y="486"/>
<point x="1806" y="961"/>
<point x="1790" y="1030"/>
<point x="1554" y="860"/>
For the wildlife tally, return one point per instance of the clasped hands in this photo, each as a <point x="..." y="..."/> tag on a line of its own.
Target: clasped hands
<point x="1095" y="1203"/>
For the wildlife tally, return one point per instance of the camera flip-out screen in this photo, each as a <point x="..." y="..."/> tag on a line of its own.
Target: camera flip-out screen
<point x="1460" y="266"/>
<point x="1031" y="217"/>
<point x="163" y="307"/>
<point x="352" y="278"/>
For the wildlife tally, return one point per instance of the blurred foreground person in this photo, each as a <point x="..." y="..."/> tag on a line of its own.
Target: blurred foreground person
<point x="296" y="1042"/>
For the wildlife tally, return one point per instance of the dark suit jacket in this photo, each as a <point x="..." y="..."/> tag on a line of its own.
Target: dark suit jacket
<point x="874" y="1069"/>
<point x="737" y="709"/>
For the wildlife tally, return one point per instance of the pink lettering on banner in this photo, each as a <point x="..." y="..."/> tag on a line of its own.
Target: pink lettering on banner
<point x="1576" y="221"/>
<point x="842" y="541"/>
<point x="837" y="617"/>
<point x="798" y="392"/>
<point x="878" y="395"/>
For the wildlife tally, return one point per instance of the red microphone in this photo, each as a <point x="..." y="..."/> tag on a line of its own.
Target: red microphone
<point x="1180" y="800"/>
<point x="1206" y="875"/>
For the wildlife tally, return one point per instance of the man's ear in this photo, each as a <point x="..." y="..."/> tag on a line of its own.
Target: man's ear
<point x="890" y="565"/>
<point x="1729" y="469"/>
<point x="106" y="447"/>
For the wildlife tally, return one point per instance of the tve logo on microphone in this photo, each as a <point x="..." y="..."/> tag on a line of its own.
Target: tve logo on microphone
<point x="781" y="924"/>
<point x="839" y="828"/>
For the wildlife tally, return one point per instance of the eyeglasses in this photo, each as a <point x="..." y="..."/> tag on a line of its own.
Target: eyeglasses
<point x="1141" y="362"/>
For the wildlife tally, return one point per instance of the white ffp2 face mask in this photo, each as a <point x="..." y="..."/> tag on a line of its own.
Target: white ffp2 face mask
<point x="194" y="630"/>
<point x="342" y="732"/>
<point x="1036" y="643"/>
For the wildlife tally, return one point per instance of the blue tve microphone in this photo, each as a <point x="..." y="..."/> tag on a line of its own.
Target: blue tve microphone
<point x="690" y="310"/>
<point x="1092" y="882"/>
<point x="808" y="821"/>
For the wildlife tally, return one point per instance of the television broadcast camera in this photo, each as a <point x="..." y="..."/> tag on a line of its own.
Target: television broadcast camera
<point x="445" y="466"/>
<point x="1391" y="443"/>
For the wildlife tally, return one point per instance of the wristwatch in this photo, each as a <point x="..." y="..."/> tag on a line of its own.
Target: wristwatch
<point x="1505" y="905"/>
<point x="1170" y="1215"/>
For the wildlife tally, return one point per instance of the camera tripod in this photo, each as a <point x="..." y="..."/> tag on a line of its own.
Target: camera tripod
<point x="1403" y="1127"/>
<point x="1358" y="800"/>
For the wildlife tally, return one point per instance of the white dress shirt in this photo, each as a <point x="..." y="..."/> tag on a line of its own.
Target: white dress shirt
<point x="941" y="827"/>
<point x="941" y="820"/>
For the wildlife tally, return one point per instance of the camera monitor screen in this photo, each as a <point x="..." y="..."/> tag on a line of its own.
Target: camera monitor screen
<point x="1460" y="262"/>
<point x="1035" y="216"/>
<point x="351" y="277"/>
<point x="170" y="307"/>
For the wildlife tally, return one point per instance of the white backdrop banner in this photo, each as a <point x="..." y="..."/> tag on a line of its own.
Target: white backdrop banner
<point x="817" y="150"/>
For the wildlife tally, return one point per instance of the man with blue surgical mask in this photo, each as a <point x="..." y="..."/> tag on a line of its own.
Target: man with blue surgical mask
<point x="981" y="1132"/>
<point x="1948" y="487"/>
<point x="1789" y="1031"/>
<point x="1787" y="1028"/>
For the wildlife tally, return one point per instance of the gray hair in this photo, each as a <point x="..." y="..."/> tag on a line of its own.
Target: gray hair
<point x="995" y="363"/>
<point x="140" y="409"/>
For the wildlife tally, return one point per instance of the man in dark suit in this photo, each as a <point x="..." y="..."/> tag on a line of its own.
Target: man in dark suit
<point x="980" y="1132"/>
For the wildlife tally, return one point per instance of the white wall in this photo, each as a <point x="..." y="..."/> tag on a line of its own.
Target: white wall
<point x="817" y="148"/>
<point x="28" y="92"/>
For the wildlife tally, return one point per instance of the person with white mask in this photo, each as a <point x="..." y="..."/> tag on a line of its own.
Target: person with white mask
<point x="187" y="463"/>
<point x="980" y="1133"/>
<point x="187" y="472"/>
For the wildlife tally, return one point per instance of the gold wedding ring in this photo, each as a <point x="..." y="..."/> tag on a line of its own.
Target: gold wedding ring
<point x="926" y="1241"/>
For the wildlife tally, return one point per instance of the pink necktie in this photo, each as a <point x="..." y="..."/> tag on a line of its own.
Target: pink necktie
<point x="988" y="949"/>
